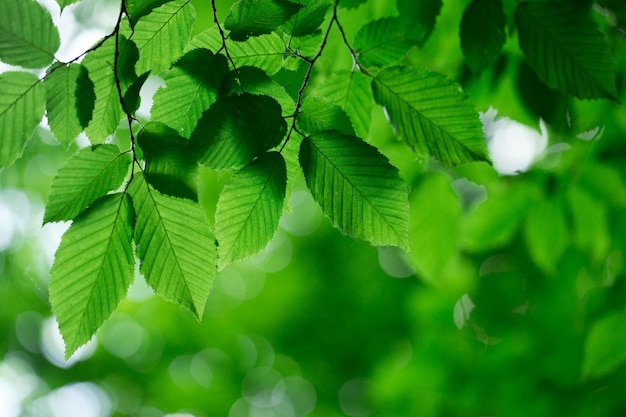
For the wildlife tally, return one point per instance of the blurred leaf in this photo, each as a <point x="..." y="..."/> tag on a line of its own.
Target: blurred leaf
<point x="22" y="105"/>
<point x="357" y="188"/>
<point x="351" y="4"/>
<point x="482" y="33"/>
<point x="93" y="268"/>
<point x="175" y="246"/>
<point x="258" y="17"/>
<point x="237" y="128"/>
<point x="605" y="182"/>
<point x="605" y="347"/>
<point x="191" y="88"/>
<point x="431" y="114"/>
<point x="545" y="230"/>
<point x="249" y="208"/>
<point x="423" y="12"/>
<point x="566" y="50"/>
<point x="162" y="35"/>
<point x="317" y="115"/>
<point x="590" y="220"/>
<point x="28" y="37"/>
<point x="255" y="81"/>
<point x="308" y="19"/>
<point x="462" y="310"/>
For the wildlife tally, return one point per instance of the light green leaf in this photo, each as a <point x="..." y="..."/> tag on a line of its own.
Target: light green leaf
<point x="590" y="218"/>
<point x="64" y="3"/>
<point x="89" y="174"/>
<point x="93" y="268"/>
<point x="546" y="234"/>
<point x="317" y="115"/>
<point x="565" y="49"/>
<point x="107" y="111"/>
<point x="249" y="208"/>
<point x="28" y="37"/>
<point x="357" y="188"/>
<point x="175" y="246"/>
<point x="605" y="347"/>
<point x="265" y="52"/>
<point x="423" y="12"/>
<point x="236" y="129"/>
<point x="431" y="114"/>
<point x="70" y="101"/>
<point x="191" y="88"/>
<point x="352" y="91"/>
<point x="162" y="35"/>
<point x="434" y="230"/>
<point x="308" y="19"/>
<point x="482" y="33"/>
<point x="385" y="41"/>
<point x="22" y="104"/>
<point x="258" y="17"/>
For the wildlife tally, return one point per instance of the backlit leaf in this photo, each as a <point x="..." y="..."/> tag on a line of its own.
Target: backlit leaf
<point x="482" y="33"/>
<point x="357" y="188"/>
<point x="258" y="17"/>
<point x="317" y="115"/>
<point x="93" y="268"/>
<point x="249" y="208"/>
<point x="64" y="3"/>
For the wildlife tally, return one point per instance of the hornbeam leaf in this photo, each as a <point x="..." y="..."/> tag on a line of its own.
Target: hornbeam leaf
<point x="357" y="188"/>
<point x="308" y="19"/>
<point x="162" y="35"/>
<point x="190" y="88"/>
<point x="431" y="114"/>
<point x="236" y="129"/>
<point x="22" y="104"/>
<point x="64" y="3"/>
<point x="482" y="33"/>
<point x="70" y="101"/>
<point x="249" y="208"/>
<point x="93" y="268"/>
<point x="28" y="37"/>
<point x="422" y="12"/>
<point x="175" y="246"/>
<point x="137" y="9"/>
<point x="565" y="49"/>
<point x="89" y="174"/>
<point x="258" y="17"/>
<point x="317" y="115"/>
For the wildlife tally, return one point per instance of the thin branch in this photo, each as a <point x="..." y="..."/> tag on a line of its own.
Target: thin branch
<point x="353" y="53"/>
<point x="219" y="28"/>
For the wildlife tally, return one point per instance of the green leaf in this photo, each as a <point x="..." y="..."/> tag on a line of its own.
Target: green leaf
<point x="431" y="114"/>
<point x="482" y="33"/>
<point x="265" y="52"/>
<point x="28" y="37"/>
<point x="191" y="88"/>
<point x="70" y="101"/>
<point x="170" y="167"/>
<point x="351" y="90"/>
<point x="422" y="12"/>
<point x="317" y="115"/>
<point x="258" y="17"/>
<point x="357" y="188"/>
<point x="137" y="9"/>
<point x="93" y="268"/>
<point x="590" y="221"/>
<point x="249" y="208"/>
<point x="434" y="229"/>
<point x="64" y="3"/>
<point x="385" y="41"/>
<point x="89" y="174"/>
<point x="175" y="246"/>
<point x="308" y="19"/>
<point x="236" y="129"/>
<point x="351" y="4"/>
<point x="162" y="35"/>
<point x="107" y="111"/>
<point x="22" y="104"/>
<point x="605" y="347"/>
<point x="565" y="49"/>
<point x="546" y="234"/>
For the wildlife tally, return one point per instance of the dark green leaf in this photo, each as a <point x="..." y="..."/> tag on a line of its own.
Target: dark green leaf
<point x="317" y="115"/>
<point x="482" y="33"/>
<point x="258" y="17"/>
<point x="136" y="9"/>
<point x="351" y="4"/>
<point x="308" y="19"/>
<point x="422" y="12"/>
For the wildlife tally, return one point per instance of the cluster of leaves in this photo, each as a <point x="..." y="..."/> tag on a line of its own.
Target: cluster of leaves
<point x="224" y="109"/>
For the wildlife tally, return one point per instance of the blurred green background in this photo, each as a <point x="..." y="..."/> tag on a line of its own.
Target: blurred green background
<point x="510" y="304"/>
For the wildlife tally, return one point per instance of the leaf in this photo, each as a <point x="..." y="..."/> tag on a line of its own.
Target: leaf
<point x="422" y="12"/>
<point x="170" y="167"/>
<point x="258" y="17"/>
<point x="70" y="101"/>
<point x="431" y="114"/>
<point x="605" y="347"/>
<point x="249" y="208"/>
<point x="546" y="234"/>
<point x="308" y="19"/>
<point x="64" y="3"/>
<point x="317" y="115"/>
<point x="93" y="268"/>
<point x="565" y="49"/>
<point x="28" y="37"/>
<point x="434" y="228"/>
<point x="385" y="41"/>
<point x="265" y="52"/>
<point x="590" y="221"/>
<point x="357" y="188"/>
<point x="175" y="246"/>
<point x="137" y="9"/>
<point x="107" y="111"/>
<point x="351" y="90"/>
<point x="91" y="173"/>
<point x="162" y="35"/>
<point x="482" y="33"/>
<point x="351" y="4"/>
<point x="22" y="104"/>
<point x="191" y="88"/>
<point x="236" y="129"/>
